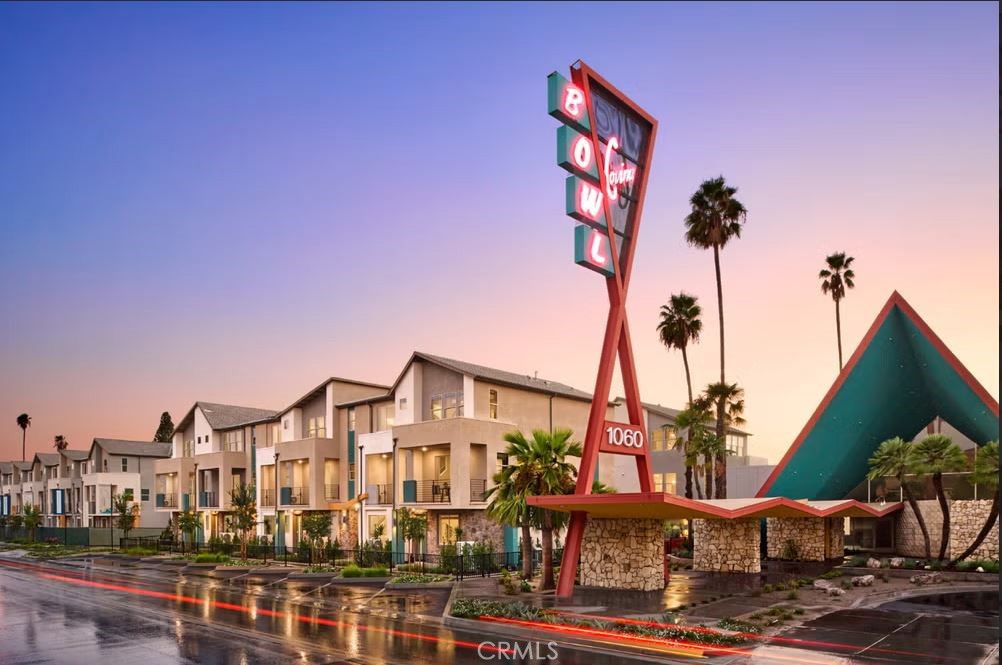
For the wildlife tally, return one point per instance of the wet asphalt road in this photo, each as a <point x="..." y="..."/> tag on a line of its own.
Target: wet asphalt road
<point x="112" y="614"/>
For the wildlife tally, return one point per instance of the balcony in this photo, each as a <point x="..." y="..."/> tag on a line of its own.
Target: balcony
<point x="332" y="492"/>
<point x="427" y="491"/>
<point x="295" y="496"/>
<point x="167" y="500"/>
<point x="268" y="497"/>
<point x="478" y="489"/>
<point x="208" y="500"/>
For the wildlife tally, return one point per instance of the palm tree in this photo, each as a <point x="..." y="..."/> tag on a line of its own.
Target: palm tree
<point x="507" y="504"/>
<point x="716" y="217"/>
<point x="60" y="442"/>
<point x="598" y="487"/>
<point x="690" y="425"/>
<point x="32" y="518"/>
<point x="552" y="474"/>
<point x="894" y="458"/>
<point x="986" y="473"/>
<point x="835" y="279"/>
<point x="24" y="422"/>
<point x="729" y="398"/>
<point x="938" y="454"/>
<point x="680" y="324"/>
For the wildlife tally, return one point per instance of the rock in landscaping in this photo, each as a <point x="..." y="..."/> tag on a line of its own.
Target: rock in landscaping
<point x="897" y="562"/>
<point x="873" y="563"/>
<point x="835" y="591"/>
<point x="928" y="578"/>
<point x="863" y="580"/>
<point x="823" y="585"/>
<point x="980" y="569"/>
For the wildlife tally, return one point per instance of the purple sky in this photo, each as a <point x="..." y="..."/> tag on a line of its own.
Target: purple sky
<point x="231" y="202"/>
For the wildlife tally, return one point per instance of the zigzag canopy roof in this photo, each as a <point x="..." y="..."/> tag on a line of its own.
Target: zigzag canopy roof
<point x="898" y="380"/>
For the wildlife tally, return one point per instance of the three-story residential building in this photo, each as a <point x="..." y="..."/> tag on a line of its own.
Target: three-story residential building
<point x="21" y="476"/>
<point x="6" y="489"/>
<point x="214" y="450"/>
<point x="65" y="491"/>
<point x="309" y="464"/>
<point x="116" y="466"/>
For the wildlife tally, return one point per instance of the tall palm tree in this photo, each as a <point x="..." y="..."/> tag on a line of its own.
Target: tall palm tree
<point x="894" y="458"/>
<point x="690" y="426"/>
<point x="835" y="279"/>
<point x="986" y="474"/>
<point x="553" y="475"/>
<point x="60" y="442"/>
<point x="24" y="422"/>
<point x="730" y="401"/>
<point x="937" y="454"/>
<point x="715" y="219"/>
<point x="506" y="498"/>
<point x="679" y="325"/>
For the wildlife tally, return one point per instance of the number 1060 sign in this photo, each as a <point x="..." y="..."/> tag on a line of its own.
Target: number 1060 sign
<point x="623" y="439"/>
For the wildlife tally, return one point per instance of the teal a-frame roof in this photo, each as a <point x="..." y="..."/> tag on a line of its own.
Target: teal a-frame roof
<point x="898" y="380"/>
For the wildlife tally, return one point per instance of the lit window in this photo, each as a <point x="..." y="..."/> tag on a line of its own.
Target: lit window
<point x="493" y="405"/>
<point x="351" y="420"/>
<point x="447" y="525"/>
<point x="234" y="440"/>
<point x="665" y="482"/>
<point x="316" y="428"/>
<point x="658" y="440"/>
<point x="502" y="462"/>
<point x="447" y="405"/>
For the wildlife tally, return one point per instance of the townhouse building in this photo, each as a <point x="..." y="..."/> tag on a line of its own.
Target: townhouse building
<point x="6" y="489"/>
<point x="65" y="490"/>
<point x="214" y="449"/>
<point x="33" y="484"/>
<point x="117" y="466"/>
<point x="22" y="475"/>
<point x="309" y="462"/>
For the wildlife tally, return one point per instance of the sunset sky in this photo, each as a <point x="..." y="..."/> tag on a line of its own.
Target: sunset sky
<point x="231" y="202"/>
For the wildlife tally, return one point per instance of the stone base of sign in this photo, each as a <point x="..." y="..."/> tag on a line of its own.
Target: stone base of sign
<point x="726" y="546"/>
<point x="623" y="554"/>
<point x="804" y="538"/>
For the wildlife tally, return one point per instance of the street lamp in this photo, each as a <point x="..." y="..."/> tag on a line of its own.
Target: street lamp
<point x="278" y="518"/>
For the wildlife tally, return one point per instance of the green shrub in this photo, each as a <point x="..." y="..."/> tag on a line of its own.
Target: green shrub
<point x="768" y="588"/>
<point x="211" y="557"/>
<point x="351" y="570"/>
<point x="738" y="626"/>
<point x="417" y="578"/>
<point x="139" y="551"/>
<point x="792" y="595"/>
<point x="831" y="575"/>
<point x="375" y="571"/>
<point x="856" y="561"/>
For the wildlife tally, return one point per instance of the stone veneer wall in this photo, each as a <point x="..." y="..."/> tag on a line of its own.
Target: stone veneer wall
<point x="966" y="519"/>
<point x="623" y="554"/>
<point x="476" y="526"/>
<point x="729" y="546"/>
<point x="810" y="534"/>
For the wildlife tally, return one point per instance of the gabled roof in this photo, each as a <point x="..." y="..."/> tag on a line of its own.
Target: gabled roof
<point x="6" y="467"/>
<point x="47" y="459"/>
<point x="133" y="448"/>
<point x="498" y="376"/>
<point x="337" y="379"/>
<point x="900" y="378"/>
<point x="75" y="455"/>
<point x="227" y="416"/>
<point x="23" y="466"/>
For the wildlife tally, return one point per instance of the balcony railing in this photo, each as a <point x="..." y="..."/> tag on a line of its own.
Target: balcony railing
<point x="268" y="497"/>
<point x="478" y="488"/>
<point x="384" y="494"/>
<point x="295" y="496"/>
<point x="208" y="500"/>
<point x="427" y="491"/>
<point x="167" y="500"/>
<point x="332" y="492"/>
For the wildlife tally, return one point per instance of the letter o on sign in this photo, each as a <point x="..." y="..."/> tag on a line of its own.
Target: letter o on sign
<point x="582" y="152"/>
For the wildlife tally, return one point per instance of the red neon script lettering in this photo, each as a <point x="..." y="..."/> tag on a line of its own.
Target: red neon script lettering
<point x="615" y="179"/>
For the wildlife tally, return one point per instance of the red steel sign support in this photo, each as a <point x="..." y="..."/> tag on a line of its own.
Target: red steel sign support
<point x="621" y="137"/>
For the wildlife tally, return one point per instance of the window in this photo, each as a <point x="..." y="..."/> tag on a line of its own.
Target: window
<point x="442" y="467"/>
<point x="351" y="420"/>
<point x="200" y="439"/>
<point x="375" y="521"/>
<point x="447" y="405"/>
<point x="384" y="417"/>
<point x="351" y="472"/>
<point x="276" y="434"/>
<point x="493" y="404"/>
<point x="128" y="493"/>
<point x="657" y="440"/>
<point x="403" y="403"/>
<point x="447" y="525"/>
<point x="665" y="482"/>
<point x="125" y="464"/>
<point x="144" y="494"/>
<point x="501" y="463"/>
<point x="316" y="428"/>
<point x="233" y="441"/>
<point x="188" y="449"/>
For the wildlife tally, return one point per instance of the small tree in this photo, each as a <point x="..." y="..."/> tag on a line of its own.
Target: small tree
<point x="316" y="526"/>
<point x="125" y="512"/>
<point x="412" y="527"/>
<point x="189" y="523"/>
<point x="16" y="521"/>
<point x="378" y="532"/>
<point x="32" y="517"/>
<point x="166" y="429"/>
<point x="243" y="504"/>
